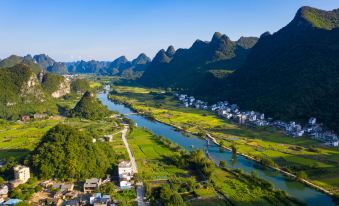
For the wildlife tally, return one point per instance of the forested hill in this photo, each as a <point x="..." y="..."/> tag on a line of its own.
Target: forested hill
<point x="24" y="92"/>
<point x="89" y="107"/>
<point x="187" y="67"/>
<point x="66" y="153"/>
<point x="291" y="74"/>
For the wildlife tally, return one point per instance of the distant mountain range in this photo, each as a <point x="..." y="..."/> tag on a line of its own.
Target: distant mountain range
<point x="291" y="74"/>
<point x="185" y="67"/>
<point x="120" y="66"/>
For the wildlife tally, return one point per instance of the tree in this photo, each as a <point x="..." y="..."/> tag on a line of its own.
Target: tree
<point x="108" y="188"/>
<point x="302" y="175"/>
<point x="222" y="164"/>
<point x="234" y="149"/>
<point x="80" y="85"/>
<point x="165" y="193"/>
<point x="176" y="200"/>
<point x="200" y="163"/>
<point x="67" y="153"/>
<point x="89" y="108"/>
<point x="22" y="203"/>
<point x="222" y="143"/>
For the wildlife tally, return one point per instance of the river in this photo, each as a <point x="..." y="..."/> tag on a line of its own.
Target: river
<point x="294" y="188"/>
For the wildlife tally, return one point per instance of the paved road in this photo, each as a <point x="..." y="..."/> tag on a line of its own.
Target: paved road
<point x="140" y="185"/>
<point x="140" y="194"/>
<point x="131" y="157"/>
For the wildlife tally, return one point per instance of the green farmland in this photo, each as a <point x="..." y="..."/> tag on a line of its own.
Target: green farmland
<point x="292" y="154"/>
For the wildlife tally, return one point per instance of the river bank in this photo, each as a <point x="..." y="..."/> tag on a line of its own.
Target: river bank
<point x="286" y="184"/>
<point x="288" y="174"/>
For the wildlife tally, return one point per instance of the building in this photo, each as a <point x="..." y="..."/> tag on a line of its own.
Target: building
<point x="21" y="175"/>
<point x="11" y="202"/>
<point x="40" y="116"/>
<point x="91" y="184"/>
<point x="63" y="187"/>
<point x="73" y="202"/>
<point x="99" y="200"/>
<point x="108" y="138"/>
<point x="25" y="118"/>
<point x="312" y="121"/>
<point x="3" y="191"/>
<point x="125" y="174"/>
<point x="125" y="169"/>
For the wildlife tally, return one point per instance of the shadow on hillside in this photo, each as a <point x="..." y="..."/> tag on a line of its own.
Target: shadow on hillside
<point x="16" y="153"/>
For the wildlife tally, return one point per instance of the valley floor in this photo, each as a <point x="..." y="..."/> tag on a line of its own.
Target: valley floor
<point x="296" y="155"/>
<point x="227" y="187"/>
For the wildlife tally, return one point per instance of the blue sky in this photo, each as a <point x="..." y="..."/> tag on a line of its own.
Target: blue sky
<point x="70" y="30"/>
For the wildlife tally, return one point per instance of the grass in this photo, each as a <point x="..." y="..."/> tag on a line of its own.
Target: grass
<point x="322" y="166"/>
<point x="94" y="84"/>
<point x="242" y="189"/>
<point x="151" y="156"/>
<point x="239" y="188"/>
<point x="18" y="139"/>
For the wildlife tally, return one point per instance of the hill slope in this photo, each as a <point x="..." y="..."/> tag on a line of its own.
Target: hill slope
<point x="66" y="153"/>
<point x="89" y="108"/>
<point x="14" y="60"/>
<point x="20" y="90"/>
<point x="186" y="68"/>
<point x="292" y="74"/>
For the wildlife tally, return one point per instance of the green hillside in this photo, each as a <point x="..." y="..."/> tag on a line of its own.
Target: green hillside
<point x="20" y="92"/>
<point x="50" y="82"/>
<point x="14" y="60"/>
<point x="67" y="153"/>
<point x="292" y="74"/>
<point x="186" y="68"/>
<point x="89" y="108"/>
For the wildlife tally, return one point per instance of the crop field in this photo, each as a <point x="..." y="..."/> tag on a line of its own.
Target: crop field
<point x="243" y="189"/>
<point x="294" y="154"/>
<point x="151" y="156"/>
<point x="18" y="139"/>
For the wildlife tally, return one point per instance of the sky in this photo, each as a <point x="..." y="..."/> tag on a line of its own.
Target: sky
<point x="69" y="30"/>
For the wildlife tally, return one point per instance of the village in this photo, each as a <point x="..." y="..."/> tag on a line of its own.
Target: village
<point x="64" y="193"/>
<point x="76" y="192"/>
<point x="233" y="113"/>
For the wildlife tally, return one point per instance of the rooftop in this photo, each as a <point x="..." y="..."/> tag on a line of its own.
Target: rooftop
<point x="125" y="164"/>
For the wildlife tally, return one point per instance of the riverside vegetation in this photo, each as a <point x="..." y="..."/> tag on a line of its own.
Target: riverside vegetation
<point x="174" y="176"/>
<point x="302" y="156"/>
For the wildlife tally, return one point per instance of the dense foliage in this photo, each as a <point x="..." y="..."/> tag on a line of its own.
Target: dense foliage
<point x="50" y="82"/>
<point x="21" y="93"/>
<point x="186" y="68"/>
<point x="292" y="74"/>
<point x="67" y="153"/>
<point x="80" y="85"/>
<point x="14" y="60"/>
<point x="25" y="191"/>
<point x="89" y="108"/>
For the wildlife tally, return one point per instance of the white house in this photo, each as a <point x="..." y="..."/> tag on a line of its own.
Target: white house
<point x="91" y="184"/>
<point x="125" y="169"/>
<point x="3" y="191"/>
<point x="312" y="121"/>
<point x="22" y="173"/>
<point x="125" y="174"/>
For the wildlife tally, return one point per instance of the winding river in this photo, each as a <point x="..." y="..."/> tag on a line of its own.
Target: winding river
<point x="293" y="188"/>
